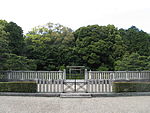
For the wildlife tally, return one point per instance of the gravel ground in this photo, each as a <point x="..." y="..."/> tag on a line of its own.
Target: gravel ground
<point x="16" y="104"/>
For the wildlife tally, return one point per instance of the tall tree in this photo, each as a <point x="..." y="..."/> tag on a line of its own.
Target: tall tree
<point x="98" y="46"/>
<point x="16" y="40"/>
<point x="4" y="49"/>
<point x="8" y="59"/>
<point x="136" y="41"/>
<point x="45" y="43"/>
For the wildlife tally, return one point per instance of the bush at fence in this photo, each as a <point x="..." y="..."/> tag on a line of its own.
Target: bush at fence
<point x="131" y="87"/>
<point x="3" y="77"/>
<point x="18" y="86"/>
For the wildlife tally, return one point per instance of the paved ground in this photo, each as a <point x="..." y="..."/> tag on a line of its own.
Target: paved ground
<point x="15" y="104"/>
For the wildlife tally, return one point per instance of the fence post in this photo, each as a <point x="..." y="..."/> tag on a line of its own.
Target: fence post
<point x="59" y="75"/>
<point x="36" y="76"/>
<point x="8" y="75"/>
<point x="64" y="74"/>
<point x="22" y="76"/>
<point x="112" y="77"/>
<point x="90" y="74"/>
<point x="139" y="77"/>
<point x="86" y="74"/>
<point x="148" y="74"/>
<point x="127" y="76"/>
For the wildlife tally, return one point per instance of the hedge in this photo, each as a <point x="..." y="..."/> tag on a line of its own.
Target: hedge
<point x="131" y="87"/>
<point x="18" y="86"/>
<point x="3" y="77"/>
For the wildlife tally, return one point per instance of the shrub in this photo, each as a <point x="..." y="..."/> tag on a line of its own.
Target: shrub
<point x="18" y="86"/>
<point x="3" y="76"/>
<point x="131" y="87"/>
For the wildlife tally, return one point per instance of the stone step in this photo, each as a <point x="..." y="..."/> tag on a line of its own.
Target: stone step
<point x="75" y="95"/>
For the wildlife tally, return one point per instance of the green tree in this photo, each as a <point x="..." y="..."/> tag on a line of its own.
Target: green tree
<point x="54" y="46"/>
<point x="16" y="40"/>
<point x="99" y="46"/>
<point x="136" y="41"/>
<point x="9" y="60"/>
<point x="15" y="62"/>
<point x="47" y="45"/>
<point x="56" y="33"/>
<point x="4" y="49"/>
<point x="133" y="62"/>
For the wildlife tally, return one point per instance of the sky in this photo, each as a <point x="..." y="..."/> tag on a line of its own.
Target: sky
<point x="77" y="13"/>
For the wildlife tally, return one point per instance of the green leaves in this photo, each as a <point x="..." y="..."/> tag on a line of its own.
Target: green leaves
<point x="96" y="45"/>
<point x="15" y="38"/>
<point x="11" y="47"/>
<point x="14" y="62"/>
<point x="136" y="41"/>
<point x="49" y="45"/>
<point x="54" y="46"/>
<point x="133" y="62"/>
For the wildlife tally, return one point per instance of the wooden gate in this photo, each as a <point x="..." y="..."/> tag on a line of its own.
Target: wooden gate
<point x="75" y="86"/>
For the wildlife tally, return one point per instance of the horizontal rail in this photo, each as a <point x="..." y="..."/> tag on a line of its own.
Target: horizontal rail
<point x="119" y="75"/>
<point x="32" y="75"/>
<point x="30" y="71"/>
<point x="112" y="75"/>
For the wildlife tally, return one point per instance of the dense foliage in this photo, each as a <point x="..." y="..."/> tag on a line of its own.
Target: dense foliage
<point x="54" y="46"/>
<point x="19" y="86"/>
<point x="12" y="45"/>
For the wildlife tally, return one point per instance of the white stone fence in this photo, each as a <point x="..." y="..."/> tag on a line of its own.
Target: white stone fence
<point x="33" y="75"/>
<point x="49" y="75"/>
<point x="118" y="75"/>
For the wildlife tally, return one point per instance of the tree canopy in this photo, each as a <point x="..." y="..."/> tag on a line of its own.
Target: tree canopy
<point x="54" y="46"/>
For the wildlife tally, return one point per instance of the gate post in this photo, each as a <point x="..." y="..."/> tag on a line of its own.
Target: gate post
<point x="8" y="74"/>
<point x="86" y="74"/>
<point x="64" y="74"/>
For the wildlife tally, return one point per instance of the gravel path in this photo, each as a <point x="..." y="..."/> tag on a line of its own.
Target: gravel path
<point x="14" y="104"/>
